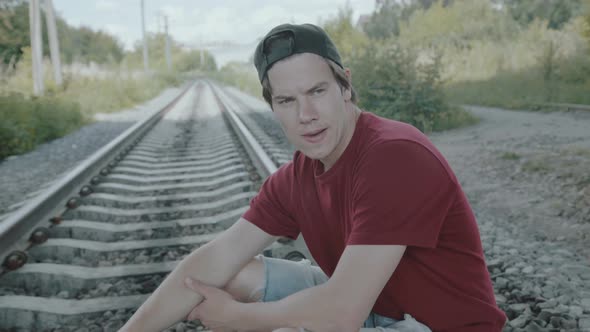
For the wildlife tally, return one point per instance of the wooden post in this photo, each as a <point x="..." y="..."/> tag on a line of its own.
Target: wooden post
<point x="146" y="64"/>
<point x="168" y="61"/>
<point x="53" y="42"/>
<point x="36" y="47"/>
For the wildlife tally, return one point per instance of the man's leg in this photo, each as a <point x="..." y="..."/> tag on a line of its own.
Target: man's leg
<point x="248" y="285"/>
<point x="284" y="278"/>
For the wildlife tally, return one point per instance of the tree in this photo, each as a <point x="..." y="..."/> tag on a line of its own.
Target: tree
<point x="384" y="22"/>
<point x="14" y="30"/>
<point x="458" y="25"/>
<point x="348" y="39"/>
<point x="587" y="21"/>
<point x="555" y="12"/>
<point x="77" y="44"/>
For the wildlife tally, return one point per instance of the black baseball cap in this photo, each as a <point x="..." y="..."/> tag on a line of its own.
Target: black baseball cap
<point x="288" y="39"/>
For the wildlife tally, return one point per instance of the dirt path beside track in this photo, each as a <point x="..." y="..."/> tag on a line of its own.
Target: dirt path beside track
<point x="533" y="167"/>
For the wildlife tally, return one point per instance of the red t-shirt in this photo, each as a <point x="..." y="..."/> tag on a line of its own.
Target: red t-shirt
<point x="390" y="186"/>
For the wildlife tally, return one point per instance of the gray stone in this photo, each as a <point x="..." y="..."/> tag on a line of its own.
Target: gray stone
<point x="546" y="314"/>
<point x="528" y="270"/>
<point x="104" y="287"/>
<point x="501" y="283"/>
<point x="576" y="311"/>
<point x="562" y="308"/>
<point x="108" y="315"/>
<point x="94" y="328"/>
<point x="500" y="299"/>
<point x="548" y="304"/>
<point x="180" y="327"/>
<point x="112" y="326"/>
<point x="519" y="321"/>
<point x="63" y="294"/>
<point x="534" y="327"/>
<point x="568" y="323"/>
<point x="518" y="306"/>
<point x="584" y="323"/>
<point x="497" y="262"/>
<point x="141" y="259"/>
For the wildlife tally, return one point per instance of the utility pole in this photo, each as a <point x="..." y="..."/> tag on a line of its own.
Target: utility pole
<point x="53" y="42"/>
<point x="168" y="62"/>
<point x="146" y="64"/>
<point x="202" y="51"/>
<point x="36" y="47"/>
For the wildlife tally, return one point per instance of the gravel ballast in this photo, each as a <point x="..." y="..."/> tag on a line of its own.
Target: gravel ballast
<point x="526" y="176"/>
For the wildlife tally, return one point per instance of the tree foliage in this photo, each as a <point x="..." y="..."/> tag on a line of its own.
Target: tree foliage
<point x="586" y="21"/>
<point x="458" y="24"/>
<point x="14" y="30"/>
<point x="348" y="39"/>
<point x="389" y="79"/>
<point x="385" y="20"/>
<point x="80" y="44"/>
<point x="393" y="83"/>
<point x="555" y="12"/>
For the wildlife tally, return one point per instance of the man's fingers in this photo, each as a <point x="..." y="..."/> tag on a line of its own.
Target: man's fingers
<point x="196" y="285"/>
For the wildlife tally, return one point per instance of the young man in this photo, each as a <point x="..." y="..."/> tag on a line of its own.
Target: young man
<point x="380" y="209"/>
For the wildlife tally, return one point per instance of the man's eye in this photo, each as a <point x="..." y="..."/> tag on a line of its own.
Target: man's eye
<point x="284" y="101"/>
<point x="318" y="91"/>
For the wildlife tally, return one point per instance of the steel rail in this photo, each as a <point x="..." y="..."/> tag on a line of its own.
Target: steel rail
<point x="15" y="229"/>
<point x="260" y="158"/>
<point x="263" y="163"/>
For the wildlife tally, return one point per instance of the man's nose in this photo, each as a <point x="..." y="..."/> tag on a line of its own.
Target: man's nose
<point x="307" y="111"/>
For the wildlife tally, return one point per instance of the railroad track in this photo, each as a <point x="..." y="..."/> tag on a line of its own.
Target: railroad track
<point x="132" y="211"/>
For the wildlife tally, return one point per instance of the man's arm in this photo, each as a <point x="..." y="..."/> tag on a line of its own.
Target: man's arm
<point x="215" y="263"/>
<point x="342" y="303"/>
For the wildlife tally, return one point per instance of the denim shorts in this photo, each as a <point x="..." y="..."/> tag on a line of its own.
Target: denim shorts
<point x="284" y="277"/>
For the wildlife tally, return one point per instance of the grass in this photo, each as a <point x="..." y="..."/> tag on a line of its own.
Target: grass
<point x="518" y="90"/>
<point x="510" y="156"/>
<point x="26" y="121"/>
<point x="539" y="166"/>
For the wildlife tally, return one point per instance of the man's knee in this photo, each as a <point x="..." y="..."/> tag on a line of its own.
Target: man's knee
<point x="248" y="284"/>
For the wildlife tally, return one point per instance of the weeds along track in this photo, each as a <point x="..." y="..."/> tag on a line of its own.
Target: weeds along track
<point x="133" y="212"/>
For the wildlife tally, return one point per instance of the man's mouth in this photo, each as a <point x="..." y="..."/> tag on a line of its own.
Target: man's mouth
<point x="314" y="133"/>
<point x="315" y="136"/>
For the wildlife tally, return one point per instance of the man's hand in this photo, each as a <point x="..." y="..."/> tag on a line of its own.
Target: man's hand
<point x="218" y="311"/>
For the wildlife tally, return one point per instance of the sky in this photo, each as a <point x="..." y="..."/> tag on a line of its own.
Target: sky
<point x="195" y="23"/>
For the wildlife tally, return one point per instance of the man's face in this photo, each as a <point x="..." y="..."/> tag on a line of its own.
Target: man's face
<point x="311" y="106"/>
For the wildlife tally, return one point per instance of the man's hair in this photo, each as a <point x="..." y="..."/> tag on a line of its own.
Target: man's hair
<point x="337" y="71"/>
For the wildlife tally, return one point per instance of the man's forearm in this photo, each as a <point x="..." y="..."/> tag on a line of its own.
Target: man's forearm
<point x="172" y="301"/>
<point x="317" y="306"/>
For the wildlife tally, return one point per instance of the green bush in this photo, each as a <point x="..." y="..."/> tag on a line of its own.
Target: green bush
<point x="25" y="123"/>
<point x="391" y="82"/>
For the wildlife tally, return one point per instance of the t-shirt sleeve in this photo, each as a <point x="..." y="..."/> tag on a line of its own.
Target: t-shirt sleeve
<point x="272" y="208"/>
<point x="401" y="196"/>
